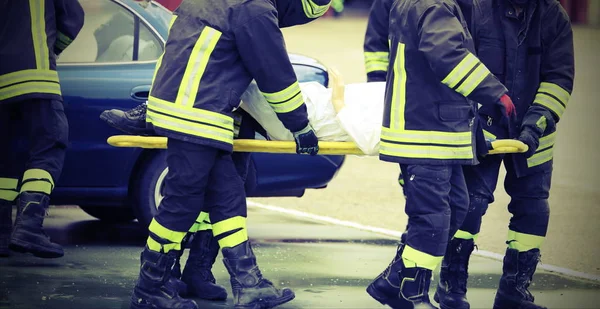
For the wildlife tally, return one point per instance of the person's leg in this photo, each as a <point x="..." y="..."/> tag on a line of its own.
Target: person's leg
<point x="9" y="175"/>
<point x="527" y="231"/>
<point x="48" y="138"/>
<point x="190" y="166"/>
<point x="480" y="181"/>
<point x="228" y="214"/>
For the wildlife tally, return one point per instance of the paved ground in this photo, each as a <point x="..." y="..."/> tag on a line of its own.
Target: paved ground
<point x="366" y="190"/>
<point x="327" y="266"/>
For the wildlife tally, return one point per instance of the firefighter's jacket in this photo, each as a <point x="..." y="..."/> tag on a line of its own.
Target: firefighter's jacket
<point x="433" y="79"/>
<point x="376" y="45"/>
<point x="32" y="34"/>
<point x="533" y="56"/>
<point x="213" y="51"/>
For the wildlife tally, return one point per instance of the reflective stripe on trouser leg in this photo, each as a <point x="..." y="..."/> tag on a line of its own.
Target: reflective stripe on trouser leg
<point x="231" y="232"/>
<point x="202" y="223"/>
<point x="184" y="191"/>
<point x="8" y="189"/>
<point x="524" y="242"/>
<point x="37" y="180"/>
<point x="427" y="190"/>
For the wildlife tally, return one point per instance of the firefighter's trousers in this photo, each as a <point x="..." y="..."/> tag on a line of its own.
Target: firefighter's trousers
<point x="200" y="179"/>
<point x="41" y="126"/>
<point x="528" y="205"/>
<point x="436" y="205"/>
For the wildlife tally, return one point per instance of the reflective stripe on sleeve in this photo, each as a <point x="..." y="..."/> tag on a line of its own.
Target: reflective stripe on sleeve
<point x="313" y="10"/>
<point x="553" y="97"/>
<point x="286" y="100"/>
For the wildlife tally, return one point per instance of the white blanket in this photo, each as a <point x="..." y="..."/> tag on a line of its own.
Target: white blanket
<point x="359" y="121"/>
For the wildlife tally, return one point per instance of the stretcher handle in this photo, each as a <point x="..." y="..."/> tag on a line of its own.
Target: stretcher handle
<point x="325" y="148"/>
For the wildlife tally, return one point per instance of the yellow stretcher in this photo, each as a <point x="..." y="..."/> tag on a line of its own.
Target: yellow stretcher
<point x="325" y="148"/>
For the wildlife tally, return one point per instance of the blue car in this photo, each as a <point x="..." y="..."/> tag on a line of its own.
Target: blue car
<point x="110" y="65"/>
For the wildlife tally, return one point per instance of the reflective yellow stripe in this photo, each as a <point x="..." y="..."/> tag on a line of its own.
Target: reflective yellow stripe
<point x="545" y="151"/>
<point x="29" y="87"/>
<point x="426" y="151"/>
<point x="37" y="174"/>
<point x="524" y="242"/>
<point x="230" y="224"/>
<point x="158" y="247"/>
<point x="234" y="239"/>
<point x="557" y="91"/>
<point x="28" y="75"/>
<point x="37" y="186"/>
<point x="165" y="233"/>
<point x="541" y="123"/>
<point x="313" y="10"/>
<point x="62" y="41"/>
<point x="8" y="195"/>
<point x="9" y="183"/>
<point x="194" y="114"/>
<point x="376" y="66"/>
<point x="376" y="61"/>
<point x="399" y="90"/>
<point x="461" y="70"/>
<point x="465" y="235"/>
<point x="474" y="79"/>
<point x="286" y="100"/>
<point x="426" y="137"/>
<point x="190" y="128"/>
<point x="38" y="34"/>
<point x="489" y="135"/>
<point x="202" y="223"/>
<point x="415" y="258"/>
<point x="196" y="65"/>
<point x="550" y="103"/>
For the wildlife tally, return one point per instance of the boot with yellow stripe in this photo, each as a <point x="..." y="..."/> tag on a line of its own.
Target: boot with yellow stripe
<point x="28" y="234"/>
<point x="250" y="289"/>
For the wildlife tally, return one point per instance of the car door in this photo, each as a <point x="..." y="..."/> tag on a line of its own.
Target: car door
<point x="109" y="65"/>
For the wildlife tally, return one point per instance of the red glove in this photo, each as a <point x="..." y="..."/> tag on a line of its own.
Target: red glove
<point x="509" y="107"/>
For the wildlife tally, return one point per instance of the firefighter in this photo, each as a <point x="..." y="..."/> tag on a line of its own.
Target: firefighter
<point x="430" y="129"/>
<point x="528" y="45"/>
<point x="212" y="53"/>
<point x="32" y="35"/>
<point x="376" y="46"/>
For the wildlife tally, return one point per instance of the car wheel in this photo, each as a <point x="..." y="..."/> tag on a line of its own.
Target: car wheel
<point x="109" y="214"/>
<point x="147" y="188"/>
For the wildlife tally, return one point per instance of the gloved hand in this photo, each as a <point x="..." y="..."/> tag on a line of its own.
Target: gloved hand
<point x="306" y="141"/>
<point x="509" y="107"/>
<point x="530" y="140"/>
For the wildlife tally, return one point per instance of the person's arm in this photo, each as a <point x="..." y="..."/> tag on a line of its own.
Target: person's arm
<point x="557" y="74"/>
<point x="69" y="21"/>
<point x="262" y="49"/>
<point x="376" y="46"/>
<point x="441" y="39"/>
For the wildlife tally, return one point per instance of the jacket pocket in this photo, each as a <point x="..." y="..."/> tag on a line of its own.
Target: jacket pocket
<point x="492" y="53"/>
<point x="455" y="111"/>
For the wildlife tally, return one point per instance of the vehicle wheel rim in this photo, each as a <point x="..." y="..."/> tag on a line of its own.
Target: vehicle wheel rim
<point x="158" y="196"/>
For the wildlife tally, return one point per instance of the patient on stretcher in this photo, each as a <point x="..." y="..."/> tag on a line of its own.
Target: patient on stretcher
<point x="351" y="112"/>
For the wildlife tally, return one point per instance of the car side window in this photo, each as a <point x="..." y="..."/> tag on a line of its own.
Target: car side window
<point x="110" y="34"/>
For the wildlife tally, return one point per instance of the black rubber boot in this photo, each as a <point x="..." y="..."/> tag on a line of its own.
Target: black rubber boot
<point x="5" y="226"/>
<point x="517" y="274"/>
<point x="153" y="290"/>
<point x="451" y="291"/>
<point x="250" y="289"/>
<point x="132" y="121"/>
<point x="28" y="234"/>
<point x="197" y="274"/>
<point x="386" y="287"/>
<point x="414" y="287"/>
<point x="175" y="281"/>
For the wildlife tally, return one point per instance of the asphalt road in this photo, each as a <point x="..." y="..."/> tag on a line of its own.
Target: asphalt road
<point x="328" y="266"/>
<point x="366" y="189"/>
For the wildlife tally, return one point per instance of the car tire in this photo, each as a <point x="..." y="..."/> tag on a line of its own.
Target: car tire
<point x="147" y="186"/>
<point x="109" y="214"/>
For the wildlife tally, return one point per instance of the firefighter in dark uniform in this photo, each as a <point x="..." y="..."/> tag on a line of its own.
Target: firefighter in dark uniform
<point x="528" y="45"/>
<point x="32" y="34"/>
<point x="376" y="46"/>
<point x="213" y="52"/>
<point x="430" y="129"/>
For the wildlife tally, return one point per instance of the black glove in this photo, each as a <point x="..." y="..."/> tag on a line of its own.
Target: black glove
<point x="530" y="140"/>
<point x="306" y="141"/>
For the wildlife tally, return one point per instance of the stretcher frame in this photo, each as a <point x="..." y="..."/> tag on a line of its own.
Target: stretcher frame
<point x="502" y="146"/>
